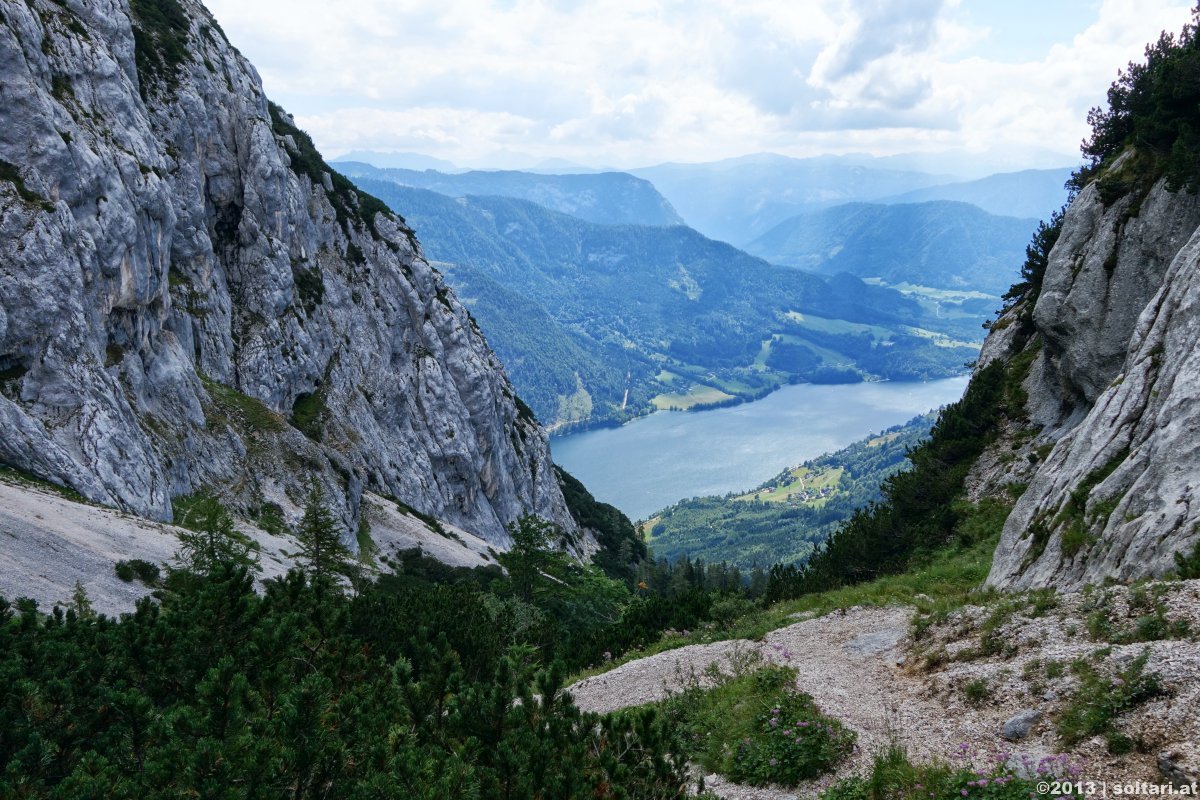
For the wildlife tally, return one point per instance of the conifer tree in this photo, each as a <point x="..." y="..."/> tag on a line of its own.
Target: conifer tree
<point x="210" y="538"/>
<point x="323" y="555"/>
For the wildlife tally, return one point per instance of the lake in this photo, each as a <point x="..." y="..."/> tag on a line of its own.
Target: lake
<point x="653" y="461"/>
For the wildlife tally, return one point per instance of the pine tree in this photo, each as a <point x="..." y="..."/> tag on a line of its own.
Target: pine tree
<point x="323" y="555"/>
<point x="81" y="604"/>
<point x="531" y="553"/>
<point x="210" y="538"/>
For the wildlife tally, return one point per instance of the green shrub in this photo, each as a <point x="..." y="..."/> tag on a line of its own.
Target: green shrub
<point x="1093" y="708"/>
<point x="1188" y="566"/>
<point x="144" y="571"/>
<point x="308" y="414"/>
<point x="12" y="174"/>
<point x="1152" y="106"/>
<point x="756" y="728"/>
<point x="160" y="42"/>
<point x="310" y="287"/>
<point x="977" y="691"/>
<point x="894" y="777"/>
<point x="792" y="742"/>
<point x="349" y="203"/>
<point x="269" y="517"/>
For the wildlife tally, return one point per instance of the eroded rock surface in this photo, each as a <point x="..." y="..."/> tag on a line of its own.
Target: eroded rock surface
<point x="190" y="298"/>
<point x="1115" y="387"/>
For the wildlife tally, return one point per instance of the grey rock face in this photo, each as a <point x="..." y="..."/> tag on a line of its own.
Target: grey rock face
<point x="1116" y="495"/>
<point x="1107" y="265"/>
<point x="1174" y="768"/>
<point x="180" y="277"/>
<point x="1018" y="726"/>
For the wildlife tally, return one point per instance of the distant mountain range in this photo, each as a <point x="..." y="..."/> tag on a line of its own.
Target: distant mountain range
<point x="398" y="160"/>
<point x="1035" y="193"/>
<point x="940" y="244"/>
<point x="739" y="199"/>
<point x="607" y="198"/>
<point x="637" y="317"/>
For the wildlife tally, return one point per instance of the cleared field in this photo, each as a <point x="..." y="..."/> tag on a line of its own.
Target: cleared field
<point x="826" y="325"/>
<point x="938" y="339"/>
<point x="698" y="395"/>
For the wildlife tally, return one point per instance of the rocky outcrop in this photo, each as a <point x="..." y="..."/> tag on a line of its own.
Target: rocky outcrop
<point x="190" y="297"/>
<point x="1115" y="388"/>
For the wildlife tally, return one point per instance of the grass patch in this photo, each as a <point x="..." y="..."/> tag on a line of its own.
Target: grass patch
<point x="1096" y="703"/>
<point x="20" y="477"/>
<point x="366" y="545"/>
<point x="757" y="729"/>
<point x="802" y="481"/>
<point x="894" y="777"/>
<point x="244" y="411"/>
<point x="12" y="174"/>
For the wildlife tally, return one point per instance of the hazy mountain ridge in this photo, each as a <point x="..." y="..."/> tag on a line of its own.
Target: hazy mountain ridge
<point x="1035" y="193"/>
<point x="941" y="244"/>
<point x="607" y="198"/>
<point x="739" y="199"/>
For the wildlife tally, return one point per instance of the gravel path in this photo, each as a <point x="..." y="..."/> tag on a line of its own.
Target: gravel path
<point x="859" y="666"/>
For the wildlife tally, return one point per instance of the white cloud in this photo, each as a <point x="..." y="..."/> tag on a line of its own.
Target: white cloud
<point x="624" y="82"/>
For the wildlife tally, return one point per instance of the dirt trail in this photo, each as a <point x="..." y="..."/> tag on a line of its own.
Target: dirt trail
<point x="853" y="663"/>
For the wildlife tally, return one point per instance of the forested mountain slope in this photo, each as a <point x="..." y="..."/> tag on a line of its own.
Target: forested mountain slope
<point x="672" y="317"/>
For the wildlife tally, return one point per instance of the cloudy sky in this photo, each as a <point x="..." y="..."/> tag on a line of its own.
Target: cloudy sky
<point x="635" y="82"/>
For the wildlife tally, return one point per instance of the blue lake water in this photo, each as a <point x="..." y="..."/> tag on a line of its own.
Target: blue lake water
<point x="654" y="461"/>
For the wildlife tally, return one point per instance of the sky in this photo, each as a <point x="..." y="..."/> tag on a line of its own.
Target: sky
<point x="627" y="83"/>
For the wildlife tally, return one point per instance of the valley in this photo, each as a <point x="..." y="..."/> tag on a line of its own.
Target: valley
<point x="319" y="480"/>
<point x="601" y="323"/>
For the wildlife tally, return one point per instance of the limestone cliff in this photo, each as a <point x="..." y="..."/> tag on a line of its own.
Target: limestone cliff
<point x="1114" y="390"/>
<point x="190" y="297"/>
